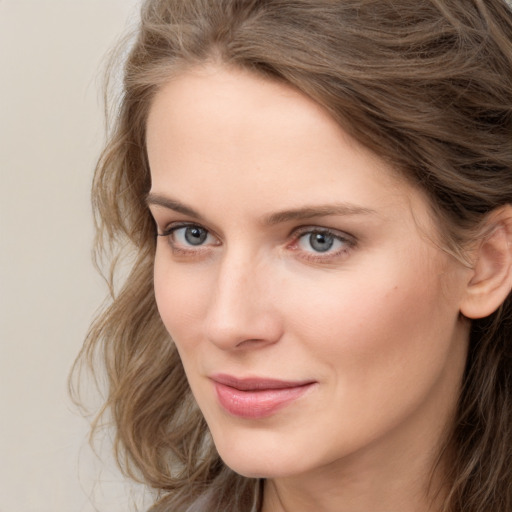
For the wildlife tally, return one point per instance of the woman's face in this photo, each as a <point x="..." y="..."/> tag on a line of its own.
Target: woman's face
<point x="316" y="318"/>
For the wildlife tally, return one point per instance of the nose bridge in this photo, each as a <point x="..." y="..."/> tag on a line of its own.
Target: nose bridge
<point x="241" y="308"/>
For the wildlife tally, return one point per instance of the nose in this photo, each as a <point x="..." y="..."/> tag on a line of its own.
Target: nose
<point x="242" y="310"/>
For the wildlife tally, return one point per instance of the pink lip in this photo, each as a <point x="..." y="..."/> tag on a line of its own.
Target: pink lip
<point x="255" y="398"/>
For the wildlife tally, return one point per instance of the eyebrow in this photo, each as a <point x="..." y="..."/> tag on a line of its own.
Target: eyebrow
<point x="310" y="212"/>
<point x="172" y="204"/>
<point x="307" y="212"/>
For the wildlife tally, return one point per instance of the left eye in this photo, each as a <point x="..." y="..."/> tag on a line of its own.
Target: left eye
<point x="320" y="242"/>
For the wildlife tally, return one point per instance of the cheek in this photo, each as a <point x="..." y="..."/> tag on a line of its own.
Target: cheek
<point x="372" y="328"/>
<point x="382" y="350"/>
<point x="178" y="294"/>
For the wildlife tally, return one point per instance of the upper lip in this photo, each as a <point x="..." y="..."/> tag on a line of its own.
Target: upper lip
<point x="257" y="383"/>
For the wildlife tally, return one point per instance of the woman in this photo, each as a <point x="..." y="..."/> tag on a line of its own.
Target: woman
<point x="317" y="195"/>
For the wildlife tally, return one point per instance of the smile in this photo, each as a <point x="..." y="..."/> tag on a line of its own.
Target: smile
<point x="257" y="398"/>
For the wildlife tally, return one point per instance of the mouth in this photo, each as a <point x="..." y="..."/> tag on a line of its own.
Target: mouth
<point x="255" y="398"/>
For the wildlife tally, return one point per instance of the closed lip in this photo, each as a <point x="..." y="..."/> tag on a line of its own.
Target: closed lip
<point x="257" y="383"/>
<point x="257" y="397"/>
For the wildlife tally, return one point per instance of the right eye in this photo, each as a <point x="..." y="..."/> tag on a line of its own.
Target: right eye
<point x="187" y="237"/>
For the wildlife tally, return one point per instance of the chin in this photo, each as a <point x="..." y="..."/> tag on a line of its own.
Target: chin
<point x="268" y="468"/>
<point x="257" y="459"/>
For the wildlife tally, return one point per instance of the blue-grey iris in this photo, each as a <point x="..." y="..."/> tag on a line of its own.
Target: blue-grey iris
<point x="195" y="235"/>
<point x="321" y="242"/>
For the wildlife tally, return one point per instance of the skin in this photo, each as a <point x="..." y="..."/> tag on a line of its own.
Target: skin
<point x="374" y="321"/>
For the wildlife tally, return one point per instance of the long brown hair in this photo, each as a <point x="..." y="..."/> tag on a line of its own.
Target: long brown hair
<point x="426" y="85"/>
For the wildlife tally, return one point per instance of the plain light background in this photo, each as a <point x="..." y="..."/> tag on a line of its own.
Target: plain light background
<point x="51" y="132"/>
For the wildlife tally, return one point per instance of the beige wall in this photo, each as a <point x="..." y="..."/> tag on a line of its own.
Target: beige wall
<point x="51" y="129"/>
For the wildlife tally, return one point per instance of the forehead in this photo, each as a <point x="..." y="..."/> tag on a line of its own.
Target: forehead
<point x="223" y="109"/>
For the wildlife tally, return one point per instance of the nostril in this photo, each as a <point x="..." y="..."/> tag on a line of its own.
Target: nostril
<point x="251" y="342"/>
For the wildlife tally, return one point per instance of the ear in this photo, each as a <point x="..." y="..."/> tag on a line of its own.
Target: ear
<point x="491" y="278"/>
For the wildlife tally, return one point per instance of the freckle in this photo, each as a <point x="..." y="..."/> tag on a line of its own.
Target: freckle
<point x="393" y="290"/>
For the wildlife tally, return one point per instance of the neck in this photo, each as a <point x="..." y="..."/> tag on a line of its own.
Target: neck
<point x="360" y="487"/>
<point x="362" y="492"/>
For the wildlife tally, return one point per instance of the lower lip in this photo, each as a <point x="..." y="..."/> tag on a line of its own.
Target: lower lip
<point x="255" y="404"/>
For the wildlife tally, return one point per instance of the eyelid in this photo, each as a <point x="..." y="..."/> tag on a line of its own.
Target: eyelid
<point x="173" y="226"/>
<point x="349" y="242"/>
<point x="340" y="235"/>
<point x="178" y="248"/>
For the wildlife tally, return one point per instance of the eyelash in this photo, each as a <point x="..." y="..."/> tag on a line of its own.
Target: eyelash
<point x="348" y="241"/>
<point x="170" y="231"/>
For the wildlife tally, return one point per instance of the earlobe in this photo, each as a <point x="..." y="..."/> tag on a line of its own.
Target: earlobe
<point x="491" y="279"/>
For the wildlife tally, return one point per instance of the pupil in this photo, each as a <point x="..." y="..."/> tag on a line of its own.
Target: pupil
<point x="195" y="236"/>
<point x="321" y="242"/>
